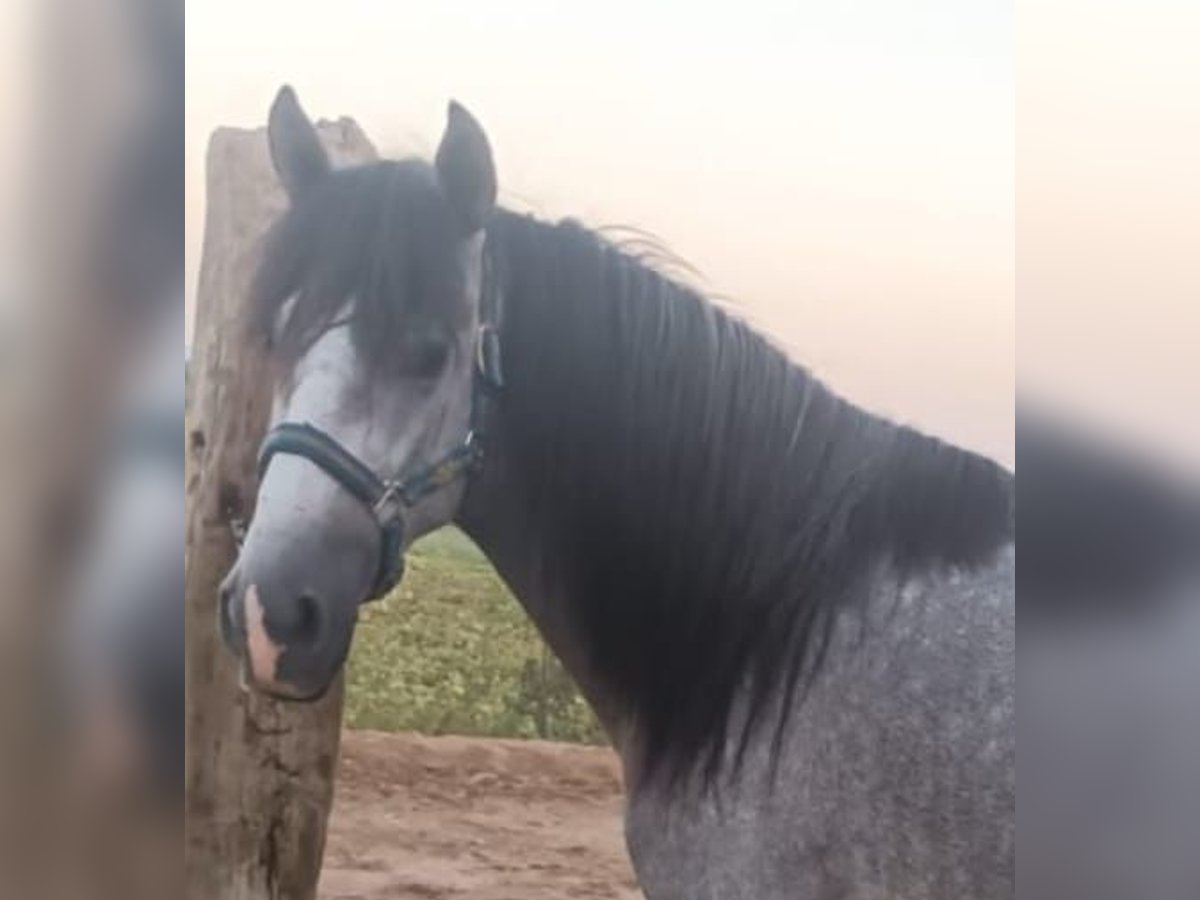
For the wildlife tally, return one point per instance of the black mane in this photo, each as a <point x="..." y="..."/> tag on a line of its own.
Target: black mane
<point x="708" y="504"/>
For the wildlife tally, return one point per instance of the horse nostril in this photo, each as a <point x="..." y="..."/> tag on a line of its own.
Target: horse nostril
<point x="298" y="624"/>
<point x="308" y="625"/>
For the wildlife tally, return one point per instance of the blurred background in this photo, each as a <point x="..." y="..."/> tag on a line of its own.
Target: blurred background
<point x="1108" y="520"/>
<point x="1107" y="196"/>
<point x="91" y="538"/>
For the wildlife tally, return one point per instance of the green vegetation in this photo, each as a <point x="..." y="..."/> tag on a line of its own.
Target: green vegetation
<point x="451" y="651"/>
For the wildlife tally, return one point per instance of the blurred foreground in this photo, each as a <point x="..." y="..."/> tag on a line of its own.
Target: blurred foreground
<point x="91" y="391"/>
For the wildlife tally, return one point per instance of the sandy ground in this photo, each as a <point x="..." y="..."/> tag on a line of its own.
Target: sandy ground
<point x="473" y="819"/>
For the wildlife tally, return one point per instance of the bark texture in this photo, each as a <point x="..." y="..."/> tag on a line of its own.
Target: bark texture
<point x="259" y="773"/>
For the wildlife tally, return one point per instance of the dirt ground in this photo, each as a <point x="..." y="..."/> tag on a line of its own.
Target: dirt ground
<point x="475" y="819"/>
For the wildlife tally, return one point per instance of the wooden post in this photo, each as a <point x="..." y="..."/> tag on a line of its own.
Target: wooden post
<point x="259" y="773"/>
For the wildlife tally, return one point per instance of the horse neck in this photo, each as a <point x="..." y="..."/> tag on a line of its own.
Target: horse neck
<point x="674" y="503"/>
<point x="497" y="517"/>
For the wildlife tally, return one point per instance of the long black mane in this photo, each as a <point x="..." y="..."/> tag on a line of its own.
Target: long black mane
<point x="707" y="504"/>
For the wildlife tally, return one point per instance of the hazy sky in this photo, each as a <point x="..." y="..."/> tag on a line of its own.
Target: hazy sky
<point x="843" y="172"/>
<point x="1109" y="226"/>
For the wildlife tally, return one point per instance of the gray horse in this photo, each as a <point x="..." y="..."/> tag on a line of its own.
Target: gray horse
<point x="794" y="619"/>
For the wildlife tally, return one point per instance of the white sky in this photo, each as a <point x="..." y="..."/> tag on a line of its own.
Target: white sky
<point x="844" y="172"/>
<point x="1109" y="228"/>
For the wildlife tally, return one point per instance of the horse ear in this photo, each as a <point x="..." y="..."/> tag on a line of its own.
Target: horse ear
<point x="296" y="152"/>
<point x="465" y="169"/>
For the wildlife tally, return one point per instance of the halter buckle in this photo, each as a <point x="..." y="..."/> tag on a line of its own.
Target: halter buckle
<point x="391" y="501"/>
<point x="487" y="355"/>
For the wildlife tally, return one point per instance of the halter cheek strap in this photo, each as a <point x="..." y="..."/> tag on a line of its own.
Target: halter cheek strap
<point x="388" y="499"/>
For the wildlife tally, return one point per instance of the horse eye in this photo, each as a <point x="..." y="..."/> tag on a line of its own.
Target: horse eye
<point x="425" y="356"/>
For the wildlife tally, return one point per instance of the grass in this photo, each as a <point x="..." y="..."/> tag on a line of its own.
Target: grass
<point x="451" y="651"/>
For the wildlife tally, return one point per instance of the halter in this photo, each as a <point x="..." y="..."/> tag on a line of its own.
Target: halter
<point x="387" y="499"/>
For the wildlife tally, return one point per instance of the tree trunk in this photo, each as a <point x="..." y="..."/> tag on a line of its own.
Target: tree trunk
<point x="259" y="773"/>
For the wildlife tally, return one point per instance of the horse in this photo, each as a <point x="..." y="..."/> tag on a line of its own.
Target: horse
<point x="794" y="618"/>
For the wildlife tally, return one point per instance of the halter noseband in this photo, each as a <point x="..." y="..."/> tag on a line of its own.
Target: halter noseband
<point x="387" y="499"/>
